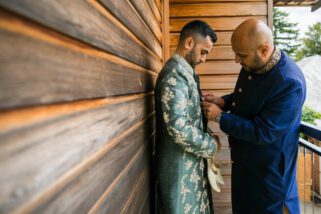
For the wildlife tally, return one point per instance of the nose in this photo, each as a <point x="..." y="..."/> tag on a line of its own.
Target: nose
<point x="203" y="58"/>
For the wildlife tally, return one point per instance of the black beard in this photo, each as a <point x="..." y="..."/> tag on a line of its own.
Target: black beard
<point x="190" y="58"/>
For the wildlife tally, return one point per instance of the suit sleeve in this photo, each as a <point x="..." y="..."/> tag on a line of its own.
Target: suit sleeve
<point x="278" y="115"/>
<point x="174" y="99"/>
<point x="227" y="101"/>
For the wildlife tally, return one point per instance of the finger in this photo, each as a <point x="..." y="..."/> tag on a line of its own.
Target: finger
<point x="204" y="93"/>
<point x="206" y="104"/>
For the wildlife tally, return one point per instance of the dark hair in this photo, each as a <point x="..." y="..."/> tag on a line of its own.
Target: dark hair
<point x="197" y="27"/>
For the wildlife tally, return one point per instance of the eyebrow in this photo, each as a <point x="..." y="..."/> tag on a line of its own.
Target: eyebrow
<point x="241" y="53"/>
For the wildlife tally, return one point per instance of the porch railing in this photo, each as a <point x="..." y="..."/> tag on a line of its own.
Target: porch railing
<point x="309" y="169"/>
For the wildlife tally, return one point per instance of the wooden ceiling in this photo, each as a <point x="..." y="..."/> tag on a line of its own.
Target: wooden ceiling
<point x="315" y="4"/>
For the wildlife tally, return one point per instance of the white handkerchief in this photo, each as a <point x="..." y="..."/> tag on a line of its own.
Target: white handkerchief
<point x="214" y="175"/>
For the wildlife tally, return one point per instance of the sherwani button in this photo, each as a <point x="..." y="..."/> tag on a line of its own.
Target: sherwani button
<point x="250" y="77"/>
<point x="233" y="104"/>
<point x="240" y="90"/>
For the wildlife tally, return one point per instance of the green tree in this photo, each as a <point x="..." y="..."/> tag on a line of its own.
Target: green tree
<point x="285" y="33"/>
<point x="311" y="42"/>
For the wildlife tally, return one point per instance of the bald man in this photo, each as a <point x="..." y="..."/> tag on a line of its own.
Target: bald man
<point x="262" y="119"/>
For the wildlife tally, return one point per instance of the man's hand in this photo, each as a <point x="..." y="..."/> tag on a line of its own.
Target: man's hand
<point x="210" y="97"/>
<point x="211" y="110"/>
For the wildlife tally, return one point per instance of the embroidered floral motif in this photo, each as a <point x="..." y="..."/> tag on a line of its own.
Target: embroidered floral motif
<point x="204" y="202"/>
<point x="184" y="189"/>
<point x="172" y="81"/>
<point x="180" y="122"/>
<point x="167" y="96"/>
<point x="179" y="136"/>
<point x="204" y="182"/>
<point x="203" y="206"/>
<point x="195" y="178"/>
<point x="202" y="165"/>
<point x="166" y="117"/>
<point x="194" y="211"/>
<point x="188" y="164"/>
<point x="199" y="111"/>
<point x="199" y="195"/>
<point x="189" y="149"/>
<point x="182" y="104"/>
<point x="194" y="133"/>
<point x="204" y="144"/>
<point x="187" y="208"/>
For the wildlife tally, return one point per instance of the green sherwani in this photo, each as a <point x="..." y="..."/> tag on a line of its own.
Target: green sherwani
<point x="181" y="142"/>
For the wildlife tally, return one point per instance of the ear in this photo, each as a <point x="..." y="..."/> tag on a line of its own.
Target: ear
<point x="189" y="43"/>
<point x="264" y="50"/>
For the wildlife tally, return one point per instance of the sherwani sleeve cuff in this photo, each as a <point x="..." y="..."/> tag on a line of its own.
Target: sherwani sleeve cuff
<point x="225" y="122"/>
<point x="227" y="101"/>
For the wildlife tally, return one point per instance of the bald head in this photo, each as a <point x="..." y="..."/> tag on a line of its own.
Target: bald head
<point x="253" y="33"/>
<point x="252" y="43"/>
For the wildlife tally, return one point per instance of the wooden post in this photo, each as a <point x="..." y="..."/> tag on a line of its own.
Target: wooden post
<point x="270" y="14"/>
<point x="165" y="29"/>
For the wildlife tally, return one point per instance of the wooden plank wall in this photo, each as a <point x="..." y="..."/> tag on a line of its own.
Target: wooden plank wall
<point x="220" y="72"/>
<point x="76" y="104"/>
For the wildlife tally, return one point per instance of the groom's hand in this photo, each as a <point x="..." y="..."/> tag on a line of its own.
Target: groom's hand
<point x="211" y="110"/>
<point x="212" y="98"/>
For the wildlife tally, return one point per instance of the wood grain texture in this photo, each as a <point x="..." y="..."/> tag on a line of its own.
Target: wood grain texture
<point x="223" y="38"/>
<point x="147" y="205"/>
<point x="40" y="154"/>
<point x="223" y="52"/>
<point x="127" y="14"/>
<point x="224" y="197"/>
<point x="89" y="22"/>
<point x="16" y="119"/>
<point x="63" y="74"/>
<point x="159" y="4"/>
<point x="153" y="6"/>
<point x="217" y="53"/>
<point x="219" y="67"/>
<point x="218" y="82"/>
<point x="209" y="1"/>
<point x="221" y="92"/>
<point x="80" y="194"/>
<point x="166" y="31"/>
<point x="147" y="15"/>
<point x="217" y="23"/>
<point x="114" y="198"/>
<point x="138" y="196"/>
<point x="219" y="9"/>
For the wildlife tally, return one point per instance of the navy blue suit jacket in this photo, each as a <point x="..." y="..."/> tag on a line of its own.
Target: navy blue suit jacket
<point x="263" y="127"/>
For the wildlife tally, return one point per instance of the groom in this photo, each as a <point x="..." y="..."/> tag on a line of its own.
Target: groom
<point x="182" y="142"/>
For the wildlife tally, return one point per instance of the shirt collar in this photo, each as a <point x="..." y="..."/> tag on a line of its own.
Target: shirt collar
<point x="274" y="59"/>
<point x="182" y="61"/>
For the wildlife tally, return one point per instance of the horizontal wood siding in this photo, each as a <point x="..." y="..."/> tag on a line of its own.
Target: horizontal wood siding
<point x="76" y="104"/>
<point x="219" y="73"/>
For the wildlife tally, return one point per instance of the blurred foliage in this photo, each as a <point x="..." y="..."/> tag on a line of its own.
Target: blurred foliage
<point x="311" y="42"/>
<point x="285" y="33"/>
<point x="309" y="115"/>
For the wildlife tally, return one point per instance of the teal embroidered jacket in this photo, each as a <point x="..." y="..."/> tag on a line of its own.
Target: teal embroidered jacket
<point x="181" y="142"/>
